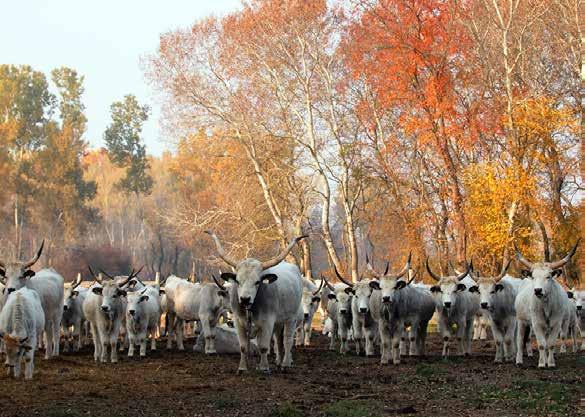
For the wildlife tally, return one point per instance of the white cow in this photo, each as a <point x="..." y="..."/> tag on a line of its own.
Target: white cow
<point x="569" y="327"/>
<point x="497" y="297"/>
<point x="265" y="298"/>
<point x="339" y="311"/>
<point x="104" y="309"/>
<point x="50" y="287"/>
<point x="310" y="301"/>
<point x="73" y="318"/>
<point x="541" y="305"/>
<point x="579" y="295"/>
<point x="142" y="318"/>
<point x="454" y="305"/>
<point x="22" y="322"/>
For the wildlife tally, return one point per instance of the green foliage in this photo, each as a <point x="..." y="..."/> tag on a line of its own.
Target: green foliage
<point x="125" y="145"/>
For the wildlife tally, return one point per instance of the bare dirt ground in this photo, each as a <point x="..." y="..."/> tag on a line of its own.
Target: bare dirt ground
<point x="322" y="383"/>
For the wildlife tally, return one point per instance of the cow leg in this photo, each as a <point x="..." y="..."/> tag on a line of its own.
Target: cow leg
<point x="539" y="332"/>
<point x="403" y="340"/>
<point x="29" y="364"/>
<point x="499" y="341"/>
<point x="582" y="331"/>
<point x="461" y="337"/>
<point x="299" y="335"/>
<point x="564" y="336"/>
<point x="49" y="339"/>
<point x="241" y="332"/>
<point x="396" y="334"/>
<point x="287" y="340"/>
<point x="17" y="365"/>
<point x="483" y="327"/>
<point x="551" y="339"/>
<point x="509" y="340"/>
<point x="263" y="338"/>
<point x="132" y="343"/>
<point x="412" y="338"/>
<point x="97" y="344"/>
<point x="169" y="329"/>
<point x="520" y="335"/>
<point x="179" y="328"/>
<point x="209" y="335"/>
<point x="56" y="334"/>
<point x="370" y="339"/>
<point x="358" y="333"/>
<point x="445" y="331"/>
<point x="422" y="343"/>
<point x="142" y="340"/>
<point x="573" y="330"/>
<point x="153" y="336"/>
<point x="333" y="336"/>
<point x="468" y="334"/>
<point x="77" y="336"/>
<point x="385" y="341"/>
<point x="66" y="337"/>
<point x="277" y="338"/>
<point x="308" y="331"/>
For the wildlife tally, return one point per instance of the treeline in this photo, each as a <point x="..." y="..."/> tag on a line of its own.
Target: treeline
<point x="449" y="129"/>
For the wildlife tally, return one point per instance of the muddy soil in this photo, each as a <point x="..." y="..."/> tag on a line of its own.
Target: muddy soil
<point x="322" y="383"/>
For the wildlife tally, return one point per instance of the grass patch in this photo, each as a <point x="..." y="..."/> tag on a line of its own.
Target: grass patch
<point x="427" y="370"/>
<point x="535" y="396"/>
<point x="287" y="409"/>
<point x="352" y="408"/>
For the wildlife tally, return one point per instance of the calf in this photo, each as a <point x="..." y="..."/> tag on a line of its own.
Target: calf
<point x="541" y="305"/>
<point x="22" y="321"/>
<point x="73" y="318"/>
<point x="454" y="305"/>
<point x="310" y="301"/>
<point x="50" y="287"/>
<point x="497" y="298"/>
<point x="104" y="309"/>
<point x="142" y="318"/>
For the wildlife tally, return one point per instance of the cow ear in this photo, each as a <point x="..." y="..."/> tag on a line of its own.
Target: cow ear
<point x="349" y="291"/>
<point x="122" y="293"/>
<point x="400" y="285"/>
<point x="222" y="293"/>
<point x="526" y="273"/>
<point x="556" y="273"/>
<point x="315" y="299"/>
<point x="331" y="296"/>
<point x="29" y="273"/>
<point x="97" y="290"/>
<point x="375" y="285"/>
<point x="226" y="276"/>
<point x="269" y="278"/>
<point x="161" y="292"/>
<point x="435" y="288"/>
<point x="144" y="298"/>
<point x="570" y="294"/>
<point x="475" y="288"/>
<point x="499" y="287"/>
<point x="461" y="287"/>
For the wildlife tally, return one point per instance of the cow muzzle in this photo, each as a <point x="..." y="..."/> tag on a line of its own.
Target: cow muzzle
<point x="105" y="309"/>
<point x="363" y="310"/>
<point x="484" y="306"/>
<point x="386" y="299"/>
<point x="132" y="312"/>
<point x="579" y="307"/>
<point x="246" y="302"/>
<point x="306" y="315"/>
<point x="10" y="290"/>
<point x="538" y="292"/>
<point x="65" y="308"/>
<point x="447" y="304"/>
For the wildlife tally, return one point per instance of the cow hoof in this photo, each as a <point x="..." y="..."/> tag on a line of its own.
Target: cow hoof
<point x="242" y="371"/>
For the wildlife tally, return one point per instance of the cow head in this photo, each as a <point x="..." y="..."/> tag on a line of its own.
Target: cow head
<point x="487" y="287"/>
<point x="15" y="347"/>
<point x="543" y="274"/>
<point x="111" y="292"/>
<point x="389" y="284"/>
<point x="134" y="304"/>
<point x="447" y="290"/>
<point x="15" y="274"/>
<point x="71" y="294"/>
<point x="310" y="301"/>
<point x="250" y="273"/>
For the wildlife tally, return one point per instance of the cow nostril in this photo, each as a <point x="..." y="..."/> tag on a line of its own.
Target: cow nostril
<point x="484" y="305"/>
<point x="306" y="315"/>
<point x="538" y="291"/>
<point x="386" y="299"/>
<point x="132" y="312"/>
<point x="105" y="308"/>
<point x="65" y="308"/>
<point x="363" y="310"/>
<point x="245" y="300"/>
<point x="579" y="307"/>
<point x="448" y="304"/>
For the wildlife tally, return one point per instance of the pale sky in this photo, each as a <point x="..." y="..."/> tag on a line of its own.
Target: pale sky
<point x="103" y="40"/>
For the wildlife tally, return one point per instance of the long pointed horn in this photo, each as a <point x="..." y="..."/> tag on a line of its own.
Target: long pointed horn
<point x="95" y="276"/>
<point x="36" y="257"/>
<point x="157" y="278"/>
<point x="349" y="284"/>
<point x="387" y="268"/>
<point x="521" y="258"/>
<point x="318" y="289"/>
<point x="220" y="250"/>
<point x="457" y="271"/>
<point x="327" y="283"/>
<point x="562" y="262"/>
<point x="106" y="274"/>
<point x="412" y="278"/>
<point x="77" y="281"/>
<point x="464" y="273"/>
<point x="406" y="267"/>
<point x="431" y="273"/>
<point x="217" y="282"/>
<point x="275" y="261"/>
<point x="504" y="271"/>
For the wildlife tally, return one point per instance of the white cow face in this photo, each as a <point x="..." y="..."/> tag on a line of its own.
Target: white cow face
<point x="542" y="278"/>
<point x="111" y="296"/>
<point x="69" y="299"/>
<point x="134" y="304"/>
<point x="15" y="348"/>
<point x="343" y="298"/>
<point x="248" y="278"/>
<point x="579" y="296"/>
<point x="15" y="276"/>
<point x="447" y="291"/>
<point x="363" y="291"/>
<point x="310" y="303"/>
<point x="486" y="288"/>
<point x="389" y="285"/>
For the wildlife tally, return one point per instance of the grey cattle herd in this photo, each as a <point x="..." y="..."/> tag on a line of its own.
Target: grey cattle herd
<point x="271" y="307"/>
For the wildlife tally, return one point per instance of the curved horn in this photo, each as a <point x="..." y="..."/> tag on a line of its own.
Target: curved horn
<point x="387" y="268"/>
<point x="217" y="282"/>
<point x="106" y="274"/>
<point x="132" y="275"/>
<point x="162" y="283"/>
<point x="406" y="267"/>
<point x="97" y="278"/>
<point x="220" y="250"/>
<point x="464" y="273"/>
<point x="521" y="258"/>
<point x="36" y="257"/>
<point x="77" y="281"/>
<point x="275" y="261"/>
<point x="319" y="289"/>
<point x="143" y="291"/>
<point x="412" y="278"/>
<point x="558" y="264"/>
<point x="431" y="273"/>
<point x="327" y="283"/>
<point x="349" y="284"/>
<point x="157" y="278"/>
<point x="504" y="270"/>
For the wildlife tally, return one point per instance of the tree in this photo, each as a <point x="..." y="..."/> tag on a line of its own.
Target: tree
<point x="125" y="145"/>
